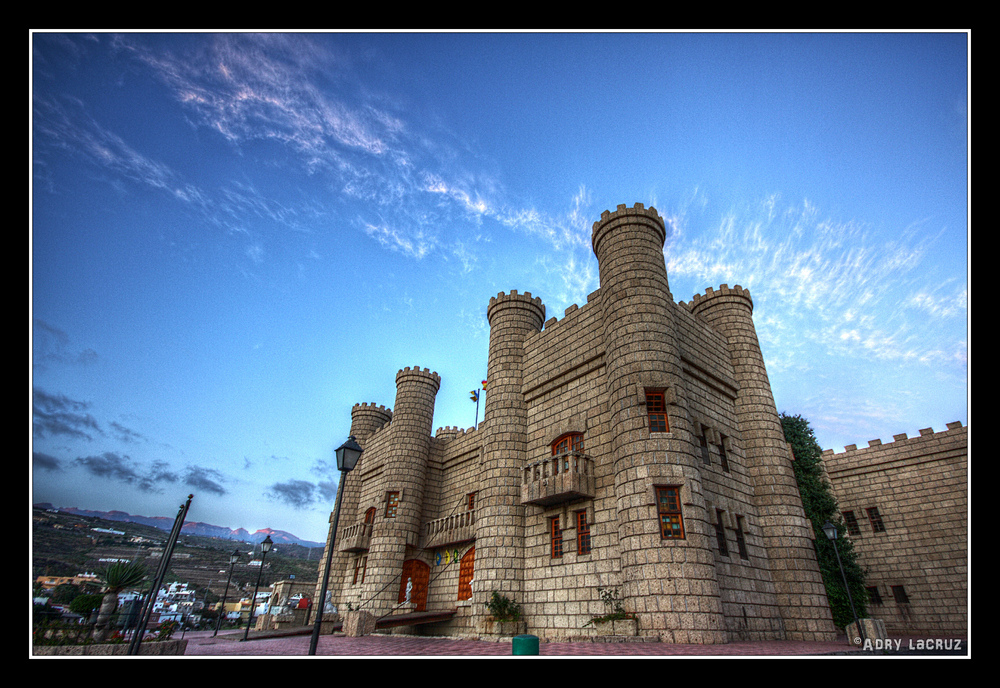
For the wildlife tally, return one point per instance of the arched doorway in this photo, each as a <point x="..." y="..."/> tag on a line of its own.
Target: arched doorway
<point x="420" y="574"/>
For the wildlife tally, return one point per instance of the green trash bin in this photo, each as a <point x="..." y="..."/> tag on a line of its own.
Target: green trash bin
<point x="525" y="645"/>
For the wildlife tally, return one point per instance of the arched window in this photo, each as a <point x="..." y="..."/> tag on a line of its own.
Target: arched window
<point x="370" y="516"/>
<point x="571" y="441"/>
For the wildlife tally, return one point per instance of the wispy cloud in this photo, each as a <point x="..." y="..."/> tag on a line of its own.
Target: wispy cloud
<point x="57" y="415"/>
<point x="816" y="281"/>
<point x="298" y="494"/>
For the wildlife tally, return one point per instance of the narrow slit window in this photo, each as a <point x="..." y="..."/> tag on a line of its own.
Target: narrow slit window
<point x="720" y="533"/>
<point x="555" y="538"/>
<point x="582" y="533"/>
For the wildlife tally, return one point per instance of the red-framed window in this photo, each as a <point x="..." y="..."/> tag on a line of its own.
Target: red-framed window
<point x="360" y="566"/>
<point x="470" y="501"/>
<point x="582" y="533"/>
<point x="875" y="519"/>
<point x="370" y="515"/>
<point x="852" y="523"/>
<point x="572" y="441"/>
<point x="391" y="504"/>
<point x="668" y="506"/>
<point x="555" y="538"/>
<point x="656" y="410"/>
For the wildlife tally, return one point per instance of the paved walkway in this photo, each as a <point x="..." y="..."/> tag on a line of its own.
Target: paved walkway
<point x="232" y="644"/>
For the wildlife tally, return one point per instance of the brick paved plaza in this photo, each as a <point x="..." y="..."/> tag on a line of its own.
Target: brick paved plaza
<point x="231" y="644"/>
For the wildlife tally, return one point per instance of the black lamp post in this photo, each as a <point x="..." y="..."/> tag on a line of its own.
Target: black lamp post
<point x="233" y="558"/>
<point x="348" y="455"/>
<point x="831" y="535"/>
<point x="265" y="547"/>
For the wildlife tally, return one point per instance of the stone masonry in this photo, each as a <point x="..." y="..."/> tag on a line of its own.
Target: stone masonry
<point x="631" y="446"/>
<point x="905" y="504"/>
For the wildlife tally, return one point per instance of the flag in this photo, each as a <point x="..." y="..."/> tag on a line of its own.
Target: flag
<point x="475" y="394"/>
<point x="484" y="384"/>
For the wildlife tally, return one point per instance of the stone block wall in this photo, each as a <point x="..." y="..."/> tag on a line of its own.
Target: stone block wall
<point x="915" y="548"/>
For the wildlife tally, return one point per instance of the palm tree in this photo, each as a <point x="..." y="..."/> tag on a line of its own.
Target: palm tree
<point x="117" y="577"/>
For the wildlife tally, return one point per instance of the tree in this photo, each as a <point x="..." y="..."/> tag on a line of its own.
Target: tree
<point x="117" y="577"/>
<point x="86" y="604"/>
<point x="820" y="507"/>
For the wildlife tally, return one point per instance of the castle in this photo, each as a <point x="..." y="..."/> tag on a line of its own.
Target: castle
<point x="632" y="447"/>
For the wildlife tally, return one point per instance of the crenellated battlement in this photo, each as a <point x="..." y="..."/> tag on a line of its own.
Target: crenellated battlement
<point x="699" y="302"/>
<point x="637" y="214"/>
<point x="418" y="374"/>
<point x="452" y="431"/>
<point x="513" y="300"/>
<point x="900" y="441"/>
<point x="371" y="408"/>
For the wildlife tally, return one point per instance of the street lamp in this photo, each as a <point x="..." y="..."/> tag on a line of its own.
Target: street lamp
<point x="348" y="455"/>
<point x="265" y="547"/>
<point x="831" y="535"/>
<point x="233" y="558"/>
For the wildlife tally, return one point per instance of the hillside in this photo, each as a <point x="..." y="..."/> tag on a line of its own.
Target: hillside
<point x="64" y="544"/>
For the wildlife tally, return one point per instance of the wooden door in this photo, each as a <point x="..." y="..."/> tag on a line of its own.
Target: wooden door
<point x="466" y="570"/>
<point x="419" y="573"/>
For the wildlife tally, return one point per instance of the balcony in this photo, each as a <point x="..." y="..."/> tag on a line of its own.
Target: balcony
<point x="440" y="532"/>
<point x="355" y="538"/>
<point x="567" y="477"/>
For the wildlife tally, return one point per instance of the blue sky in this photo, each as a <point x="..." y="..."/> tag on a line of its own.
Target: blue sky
<point x="237" y="237"/>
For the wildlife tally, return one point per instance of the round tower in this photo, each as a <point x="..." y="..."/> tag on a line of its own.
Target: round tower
<point x="499" y="513"/>
<point x="786" y="532"/>
<point x="667" y="573"/>
<point x="366" y="419"/>
<point x="396" y="533"/>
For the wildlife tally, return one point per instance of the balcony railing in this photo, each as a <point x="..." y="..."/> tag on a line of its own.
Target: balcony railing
<point x="459" y="527"/>
<point x="567" y="477"/>
<point x="355" y="538"/>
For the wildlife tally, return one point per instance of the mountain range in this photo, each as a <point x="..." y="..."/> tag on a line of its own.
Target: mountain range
<point x="190" y="527"/>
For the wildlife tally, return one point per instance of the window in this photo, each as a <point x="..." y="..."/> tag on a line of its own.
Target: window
<point x="555" y="538"/>
<point x="668" y="505"/>
<point x="656" y="410"/>
<point x="582" y="533"/>
<point x="360" y="566"/>
<point x="723" y="455"/>
<point x="899" y="594"/>
<point x="741" y="541"/>
<point x="370" y="516"/>
<point x="720" y="533"/>
<point x="876" y="520"/>
<point x="466" y="570"/>
<point x="852" y="523"/>
<point x="570" y="442"/>
<point x="391" y="504"/>
<point x="706" y="457"/>
<point x="470" y="501"/>
<point x="874" y="597"/>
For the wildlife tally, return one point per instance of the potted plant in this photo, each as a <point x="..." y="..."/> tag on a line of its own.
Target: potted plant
<point x="505" y="616"/>
<point x="616" y="621"/>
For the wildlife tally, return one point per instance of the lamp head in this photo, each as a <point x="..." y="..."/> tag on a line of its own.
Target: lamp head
<point x="348" y="455"/>
<point x="234" y="557"/>
<point x="265" y="546"/>
<point x="830" y="530"/>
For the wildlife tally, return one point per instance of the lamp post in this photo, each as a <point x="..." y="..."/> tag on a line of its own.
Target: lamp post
<point x="348" y="455"/>
<point x="265" y="547"/>
<point x="831" y="535"/>
<point x="233" y="558"/>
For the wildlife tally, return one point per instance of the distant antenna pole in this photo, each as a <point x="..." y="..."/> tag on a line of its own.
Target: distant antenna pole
<point x="168" y="552"/>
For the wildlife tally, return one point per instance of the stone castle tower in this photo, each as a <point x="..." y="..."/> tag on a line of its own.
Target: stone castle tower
<point x="633" y="446"/>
